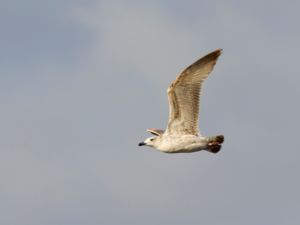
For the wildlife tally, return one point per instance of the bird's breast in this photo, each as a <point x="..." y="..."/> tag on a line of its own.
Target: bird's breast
<point x="186" y="143"/>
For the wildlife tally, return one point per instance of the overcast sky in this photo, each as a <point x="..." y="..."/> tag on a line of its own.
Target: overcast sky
<point x="81" y="81"/>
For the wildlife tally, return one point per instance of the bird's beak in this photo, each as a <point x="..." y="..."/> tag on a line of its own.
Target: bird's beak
<point x="142" y="143"/>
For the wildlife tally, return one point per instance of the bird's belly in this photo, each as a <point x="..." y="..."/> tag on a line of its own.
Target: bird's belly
<point x="184" y="145"/>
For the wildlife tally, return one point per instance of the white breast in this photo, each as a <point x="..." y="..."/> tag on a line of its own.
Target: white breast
<point x="185" y="143"/>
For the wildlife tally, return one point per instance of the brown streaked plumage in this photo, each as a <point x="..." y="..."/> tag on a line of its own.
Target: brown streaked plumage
<point x="184" y="92"/>
<point x="182" y="134"/>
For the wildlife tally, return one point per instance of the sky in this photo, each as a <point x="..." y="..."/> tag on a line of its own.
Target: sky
<point x="81" y="81"/>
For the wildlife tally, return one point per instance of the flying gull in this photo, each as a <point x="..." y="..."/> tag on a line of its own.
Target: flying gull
<point x="182" y="134"/>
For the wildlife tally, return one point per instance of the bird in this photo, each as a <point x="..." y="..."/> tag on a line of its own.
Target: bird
<point x="182" y="134"/>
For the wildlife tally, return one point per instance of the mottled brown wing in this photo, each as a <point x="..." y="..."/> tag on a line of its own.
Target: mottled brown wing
<point x="184" y="93"/>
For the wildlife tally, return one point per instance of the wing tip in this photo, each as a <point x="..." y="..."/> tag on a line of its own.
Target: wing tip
<point x="211" y="57"/>
<point x="155" y="131"/>
<point x="216" y="52"/>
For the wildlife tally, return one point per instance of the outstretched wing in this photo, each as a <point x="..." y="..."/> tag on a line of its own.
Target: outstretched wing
<point x="184" y="94"/>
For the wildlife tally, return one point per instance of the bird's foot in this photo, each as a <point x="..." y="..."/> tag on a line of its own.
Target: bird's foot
<point x="213" y="147"/>
<point x="214" y="143"/>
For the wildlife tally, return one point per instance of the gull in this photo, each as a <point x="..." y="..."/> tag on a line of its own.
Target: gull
<point x="182" y="134"/>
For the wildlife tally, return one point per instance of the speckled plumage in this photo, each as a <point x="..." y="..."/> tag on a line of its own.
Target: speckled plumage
<point x="182" y="134"/>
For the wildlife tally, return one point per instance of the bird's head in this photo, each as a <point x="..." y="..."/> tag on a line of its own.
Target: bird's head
<point x="151" y="142"/>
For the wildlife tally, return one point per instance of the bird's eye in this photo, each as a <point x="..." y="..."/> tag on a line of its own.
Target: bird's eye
<point x="151" y="139"/>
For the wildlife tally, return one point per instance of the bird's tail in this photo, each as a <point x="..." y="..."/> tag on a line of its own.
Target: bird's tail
<point x="215" y="143"/>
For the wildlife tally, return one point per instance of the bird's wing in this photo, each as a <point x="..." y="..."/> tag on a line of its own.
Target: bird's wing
<point x="184" y="93"/>
<point x="155" y="131"/>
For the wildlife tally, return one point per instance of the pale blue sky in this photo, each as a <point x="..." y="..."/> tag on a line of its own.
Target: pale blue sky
<point x="81" y="81"/>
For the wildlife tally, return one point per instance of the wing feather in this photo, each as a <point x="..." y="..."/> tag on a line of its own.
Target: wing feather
<point x="155" y="131"/>
<point x="184" y="94"/>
